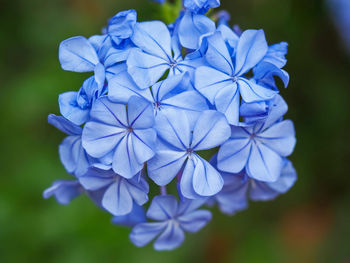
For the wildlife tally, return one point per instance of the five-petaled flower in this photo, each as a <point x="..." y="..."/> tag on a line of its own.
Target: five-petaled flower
<point x="173" y="220"/>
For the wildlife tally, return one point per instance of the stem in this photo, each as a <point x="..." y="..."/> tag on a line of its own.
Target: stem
<point x="163" y="190"/>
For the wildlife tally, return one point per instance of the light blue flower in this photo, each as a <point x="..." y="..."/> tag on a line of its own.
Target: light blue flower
<point x="119" y="193"/>
<point x="114" y="45"/>
<point x="78" y="54"/>
<point x="175" y="92"/>
<point x="156" y="54"/>
<point x="179" y="140"/>
<point x="271" y="66"/>
<point x="264" y="111"/>
<point x="72" y="154"/>
<point x="192" y="27"/>
<point x="121" y="134"/>
<point x="259" y="148"/>
<point x="201" y="6"/>
<point x="227" y="82"/>
<point x="64" y="191"/>
<point x="239" y="187"/>
<point x="172" y="220"/>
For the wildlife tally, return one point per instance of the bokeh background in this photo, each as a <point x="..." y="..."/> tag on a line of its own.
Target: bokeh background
<point x="309" y="224"/>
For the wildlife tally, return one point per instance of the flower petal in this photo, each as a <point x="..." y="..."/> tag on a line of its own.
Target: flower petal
<point x="70" y="109"/>
<point x="138" y="189"/>
<point x="140" y="113"/>
<point x="211" y="130"/>
<point x="227" y="101"/>
<point x="280" y="137"/>
<point x="96" y="179"/>
<point x="188" y="100"/>
<point x="251" y="91"/>
<point x="163" y="207"/>
<point x="251" y="48"/>
<point x="195" y="220"/>
<point x="121" y="88"/>
<point x="217" y="54"/>
<point x="186" y="182"/>
<point x="99" y="139"/>
<point x="64" y="191"/>
<point x="143" y="142"/>
<point x="107" y="112"/>
<point x="209" y="87"/>
<point x="145" y="69"/>
<point x="233" y="154"/>
<point x="192" y="27"/>
<point x="260" y="191"/>
<point x="207" y="181"/>
<point x="264" y="164"/>
<point x="174" y="128"/>
<point x="78" y="55"/>
<point x="171" y="238"/>
<point x="124" y="159"/>
<point x="64" y="125"/>
<point x="164" y="166"/>
<point x="117" y="199"/>
<point x="153" y="37"/>
<point x="144" y="233"/>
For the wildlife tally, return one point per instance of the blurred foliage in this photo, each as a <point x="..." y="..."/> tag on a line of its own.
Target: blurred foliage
<point x="309" y="224"/>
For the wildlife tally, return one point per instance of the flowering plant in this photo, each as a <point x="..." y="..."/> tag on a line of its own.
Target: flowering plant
<point x="192" y="107"/>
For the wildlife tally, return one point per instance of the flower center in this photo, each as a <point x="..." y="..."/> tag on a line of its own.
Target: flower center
<point x="157" y="105"/>
<point x="189" y="151"/>
<point x="130" y="129"/>
<point x="173" y="64"/>
<point x="234" y="78"/>
<point x="252" y="136"/>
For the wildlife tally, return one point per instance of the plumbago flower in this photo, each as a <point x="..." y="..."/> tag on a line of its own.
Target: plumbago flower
<point x="238" y="188"/>
<point x="259" y="147"/>
<point x="172" y="220"/>
<point x="179" y="141"/>
<point x="104" y="55"/>
<point x="118" y="192"/>
<point x="162" y="100"/>
<point x="72" y="154"/>
<point x="123" y="135"/>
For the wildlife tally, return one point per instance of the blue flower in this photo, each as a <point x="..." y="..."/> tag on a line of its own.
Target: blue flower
<point x="264" y="111"/>
<point x="180" y="139"/>
<point x="192" y="27"/>
<point x="64" y="191"/>
<point x="201" y="6"/>
<point x="175" y="92"/>
<point x="239" y="187"/>
<point x="78" y="54"/>
<point x="121" y="26"/>
<point x="118" y="193"/>
<point x="72" y="154"/>
<point x="259" y="148"/>
<point x="122" y="134"/>
<point x="271" y="66"/>
<point x="173" y="220"/>
<point x="227" y="82"/>
<point x="156" y="54"/>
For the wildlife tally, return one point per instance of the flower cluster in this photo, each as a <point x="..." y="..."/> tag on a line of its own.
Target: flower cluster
<point x="161" y="101"/>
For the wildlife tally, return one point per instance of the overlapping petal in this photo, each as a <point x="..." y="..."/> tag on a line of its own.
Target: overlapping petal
<point x="78" y="55"/>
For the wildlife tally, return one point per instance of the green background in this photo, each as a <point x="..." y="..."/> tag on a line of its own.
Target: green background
<point x="309" y="224"/>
